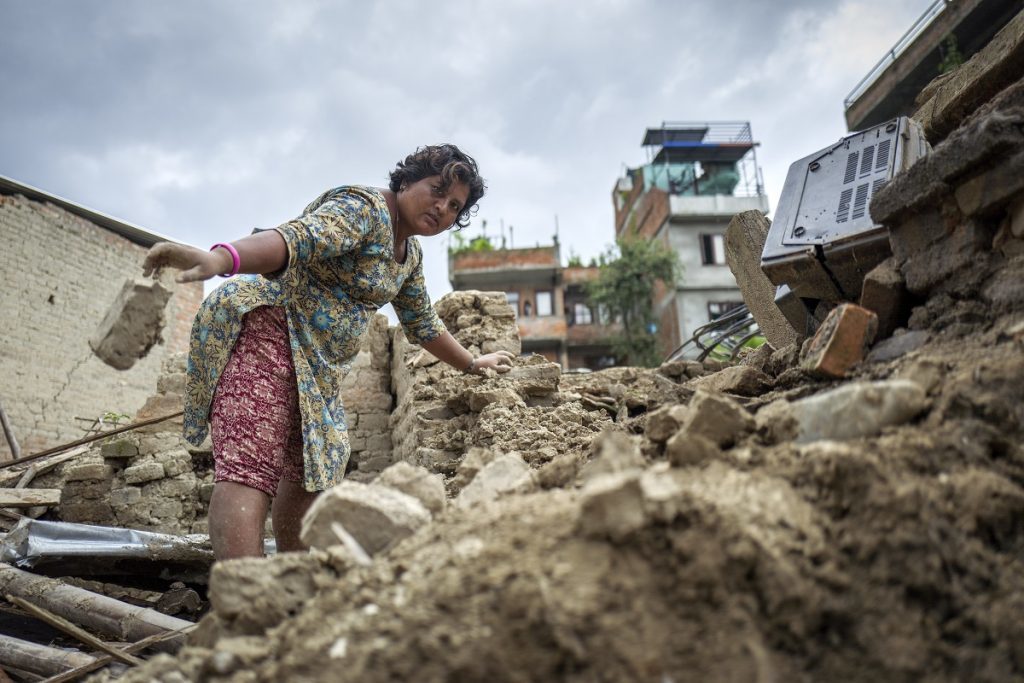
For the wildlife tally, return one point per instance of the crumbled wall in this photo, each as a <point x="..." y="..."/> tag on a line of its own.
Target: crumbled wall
<point x="366" y="394"/>
<point x="483" y="322"/>
<point x="145" y="479"/>
<point x="60" y="274"/>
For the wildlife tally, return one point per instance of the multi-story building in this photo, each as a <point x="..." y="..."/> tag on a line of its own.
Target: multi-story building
<point x="554" y="317"/>
<point x="697" y="177"/>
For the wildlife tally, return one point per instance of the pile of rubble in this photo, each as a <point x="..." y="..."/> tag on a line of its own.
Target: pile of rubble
<point x="849" y="508"/>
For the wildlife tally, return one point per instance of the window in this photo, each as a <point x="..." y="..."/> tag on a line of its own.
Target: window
<point x="712" y="250"/>
<point x="581" y="314"/>
<point x="544" y="303"/>
<point x="527" y="309"/>
<point x="717" y="309"/>
<point x="513" y="301"/>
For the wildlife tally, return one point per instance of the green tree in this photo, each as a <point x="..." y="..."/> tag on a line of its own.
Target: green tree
<point x="625" y="289"/>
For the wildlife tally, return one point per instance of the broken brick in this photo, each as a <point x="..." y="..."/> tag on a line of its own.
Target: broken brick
<point x="841" y="341"/>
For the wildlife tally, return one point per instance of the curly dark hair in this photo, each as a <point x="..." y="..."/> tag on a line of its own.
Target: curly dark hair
<point x="449" y="162"/>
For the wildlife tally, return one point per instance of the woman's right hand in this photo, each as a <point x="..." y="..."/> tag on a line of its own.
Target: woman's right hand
<point x="195" y="264"/>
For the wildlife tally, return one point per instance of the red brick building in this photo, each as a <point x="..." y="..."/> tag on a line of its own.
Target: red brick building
<point x="554" y="316"/>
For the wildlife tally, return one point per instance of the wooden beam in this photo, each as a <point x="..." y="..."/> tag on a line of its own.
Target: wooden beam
<point x="27" y="498"/>
<point x="99" y="613"/>
<point x="39" y="659"/>
<point x="74" y="631"/>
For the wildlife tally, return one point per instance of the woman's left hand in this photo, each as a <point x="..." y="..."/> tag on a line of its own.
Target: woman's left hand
<point x="499" y="361"/>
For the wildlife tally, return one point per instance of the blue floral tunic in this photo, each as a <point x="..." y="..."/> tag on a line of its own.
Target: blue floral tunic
<point x="341" y="269"/>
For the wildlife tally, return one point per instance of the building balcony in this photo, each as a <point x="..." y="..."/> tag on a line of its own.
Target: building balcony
<point x="683" y="207"/>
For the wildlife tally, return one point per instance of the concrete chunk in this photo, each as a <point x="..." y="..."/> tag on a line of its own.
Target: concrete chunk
<point x="417" y="482"/>
<point x="506" y="473"/>
<point x="717" y="418"/>
<point x="857" y="410"/>
<point x="132" y="325"/>
<point x="143" y="472"/>
<point x="376" y="516"/>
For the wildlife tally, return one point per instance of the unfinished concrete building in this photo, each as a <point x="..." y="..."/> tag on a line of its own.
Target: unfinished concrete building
<point x="697" y="177"/>
<point x="553" y="313"/>
<point x="62" y="266"/>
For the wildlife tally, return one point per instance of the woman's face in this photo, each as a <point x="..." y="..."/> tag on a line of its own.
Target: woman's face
<point x="426" y="209"/>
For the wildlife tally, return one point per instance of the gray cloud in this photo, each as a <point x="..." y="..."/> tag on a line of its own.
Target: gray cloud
<point x="202" y="120"/>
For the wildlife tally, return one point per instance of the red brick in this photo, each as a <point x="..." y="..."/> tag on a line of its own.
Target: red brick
<point x="841" y="341"/>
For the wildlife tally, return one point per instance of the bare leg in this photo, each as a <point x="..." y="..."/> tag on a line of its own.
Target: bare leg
<point x="237" y="515"/>
<point x="290" y="504"/>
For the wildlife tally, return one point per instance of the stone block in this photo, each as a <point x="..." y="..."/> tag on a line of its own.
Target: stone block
<point x="717" y="418"/>
<point x="132" y="325"/>
<point x="686" y="450"/>
<point x="143" y="472"/>
<point x="88" y="471"/>
<point x="129" y="495"/>
<point x="742" y="380"/>
<point x="664" y="422"/>
<point x="841" y="341"/>
<point x="860" y="409"/>
<point x="612" y="506"/>
<point x="506" y="473"/>
<point x="417" y="482"/>
<point x="165" y="509"/>
<point x="119" y="449"/>
<point x="885" y="294"/>
<point x="180" y="486"/>
<point x="175" y="462"/>
<point x="376" y="516"/>
<point x="992" y="189"/>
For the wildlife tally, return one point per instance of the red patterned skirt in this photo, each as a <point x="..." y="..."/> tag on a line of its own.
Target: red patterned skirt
<point x="255" y="424"/>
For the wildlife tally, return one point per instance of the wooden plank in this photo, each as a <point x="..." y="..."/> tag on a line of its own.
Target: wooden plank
<point x="39" y="659"/>
<point x="27" y="498"/>
<point x="42" y="466"/>
<point x="101" y="662"/>
<point x="72" y="630"/>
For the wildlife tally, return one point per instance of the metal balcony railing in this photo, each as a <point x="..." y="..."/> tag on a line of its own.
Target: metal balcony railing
<point x="934" y="10"/>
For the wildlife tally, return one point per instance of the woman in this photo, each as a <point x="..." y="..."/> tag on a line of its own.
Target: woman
<point x="269" y="349"/>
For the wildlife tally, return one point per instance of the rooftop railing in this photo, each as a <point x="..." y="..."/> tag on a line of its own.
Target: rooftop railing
<point x="934" y="10"/>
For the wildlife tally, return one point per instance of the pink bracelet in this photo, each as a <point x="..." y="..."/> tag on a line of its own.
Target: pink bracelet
<point x="236" y="262"/>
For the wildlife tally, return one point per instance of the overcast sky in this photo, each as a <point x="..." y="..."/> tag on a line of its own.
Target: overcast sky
<point x="202" y="119"/>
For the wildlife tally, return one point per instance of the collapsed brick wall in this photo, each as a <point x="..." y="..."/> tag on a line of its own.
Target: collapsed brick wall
<point x="483" y="322"/>
<point x="149" y="479"/>
<point x="366" y="394"/>
<point x="60" y="273"/>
